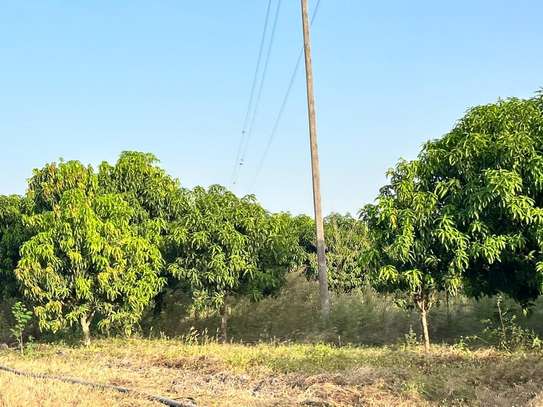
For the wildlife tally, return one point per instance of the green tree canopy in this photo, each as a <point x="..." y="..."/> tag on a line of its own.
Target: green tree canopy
<point x="48" y="184"/>
<point x="488" y="174"/>
<point x="85" y="261"/>
<point x="229" y="246"/>
<point x="148" y="188"/>
<point x="416" y="249"/>
<point x="469" y="211"/>
<point x="12" y="235"/>
<point x="346" y="241"/>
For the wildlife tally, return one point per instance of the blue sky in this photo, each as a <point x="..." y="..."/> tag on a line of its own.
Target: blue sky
<point x="88" y="79"/>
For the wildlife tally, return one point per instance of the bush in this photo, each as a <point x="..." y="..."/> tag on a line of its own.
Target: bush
<point x="505" y="332"/>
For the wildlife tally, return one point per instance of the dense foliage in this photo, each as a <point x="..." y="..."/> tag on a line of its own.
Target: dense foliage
<point x="226" y="246"/>
<point x="488" y="173"/>
<point x="85" y="262"/>
<point x="12" y="235"/>
<point x="416" y="251"/>
<point x="98" y="248"/>
<point x="346" y="241"/>
<point x="468" y="213"/>
<point x="152" y="193"/>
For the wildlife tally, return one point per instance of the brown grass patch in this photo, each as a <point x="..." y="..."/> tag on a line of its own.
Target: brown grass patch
<point x="277" y="375"/>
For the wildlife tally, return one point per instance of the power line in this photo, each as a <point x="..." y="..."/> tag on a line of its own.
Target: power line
<point x="263" y="79"/>
<point x="256" y="106"/>
<point x="275" y="127"/>
<point x="252" y="94"/>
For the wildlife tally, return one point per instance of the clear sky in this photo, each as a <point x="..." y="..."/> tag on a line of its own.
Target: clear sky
<point x="88" y="79"/>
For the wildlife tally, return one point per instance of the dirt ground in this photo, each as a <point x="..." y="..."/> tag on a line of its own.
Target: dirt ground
<point x="270" y="375"/>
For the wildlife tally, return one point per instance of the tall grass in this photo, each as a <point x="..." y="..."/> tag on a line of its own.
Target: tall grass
<point x="363" y="317"/>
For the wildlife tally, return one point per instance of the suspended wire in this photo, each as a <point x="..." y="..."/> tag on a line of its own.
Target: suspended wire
<point x="252" y="94"/>
<point x="261" y="87"/>
<point x="275" y="127"/>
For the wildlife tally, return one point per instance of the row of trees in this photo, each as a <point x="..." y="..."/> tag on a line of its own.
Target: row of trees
<point x="96" y="248"/>
<point x="99" y="247"/>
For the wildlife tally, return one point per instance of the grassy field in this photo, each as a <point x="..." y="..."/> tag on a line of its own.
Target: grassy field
<point x="274" y="375"/>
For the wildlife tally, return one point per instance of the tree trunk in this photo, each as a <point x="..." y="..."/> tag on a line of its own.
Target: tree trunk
<point x="424" y="323"/>
<point x="85" y="328"/>
<point x="423" y="304"/>
<point x="447" y="299"/>
<point x="224" y="322"/>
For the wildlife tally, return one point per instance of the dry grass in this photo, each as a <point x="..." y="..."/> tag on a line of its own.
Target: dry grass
<point x="275" y="375"/>
<point x="20" y="391"/>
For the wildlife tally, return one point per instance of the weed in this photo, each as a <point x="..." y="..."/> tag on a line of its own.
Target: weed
<point x="22" y="317"/>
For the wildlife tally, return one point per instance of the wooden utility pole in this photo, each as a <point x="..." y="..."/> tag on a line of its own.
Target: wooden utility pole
<point x="319" y="224"/>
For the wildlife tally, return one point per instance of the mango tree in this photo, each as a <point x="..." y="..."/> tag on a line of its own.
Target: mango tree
<point x="227" y="246"/>
<point x="85" y="262"/>
<point x="157" y="198"/>
<point x="416" y="249"/>
<point x="490" y="169"/>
